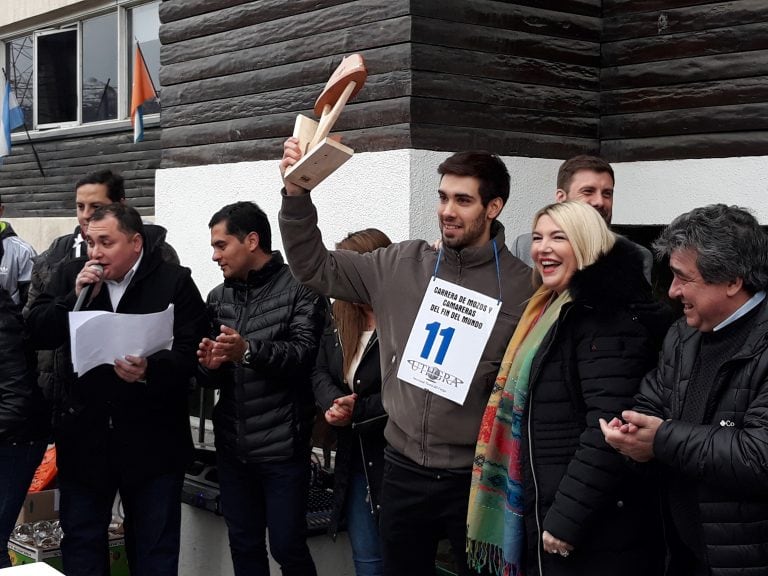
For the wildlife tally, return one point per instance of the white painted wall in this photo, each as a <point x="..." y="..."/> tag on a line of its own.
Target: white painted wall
<point x="397" y="192"/>
<point x="656" y="192"/>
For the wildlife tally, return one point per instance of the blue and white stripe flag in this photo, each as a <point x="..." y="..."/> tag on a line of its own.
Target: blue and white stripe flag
<point x="11" y="116"/>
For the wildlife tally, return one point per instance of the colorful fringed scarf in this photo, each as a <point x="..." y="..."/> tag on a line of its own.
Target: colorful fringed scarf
<point x="495" y="529"/>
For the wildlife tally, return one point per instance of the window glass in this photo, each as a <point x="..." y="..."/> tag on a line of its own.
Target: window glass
<point x="100" y="78"/>
<point x="57" y="77"/>
<point x="18" y="66"/>
<point x="144" y="26"/>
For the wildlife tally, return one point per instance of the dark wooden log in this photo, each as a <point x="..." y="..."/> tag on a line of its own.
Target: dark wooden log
<point x="586" y="7"/>
<point x="299" y="99"/>
<point x="478" y="115"/>
<point x="503" y="142"/>
<point x="504" y="67"/>
<point x="366" y="140"/>
<point x="742" y="117"/>
<point x="237" y="16"/>
<point x="511" y="94"/>
<point x="684" y="20"/>
<point x="721" y="145"/>
<point x="511" y="17"/>
<point x="701" y="69"/>
<point x="622" y="7"/>
<point x="294" y="74"/>
<point x="693" y="95"/>
<point x="338" y="42"/>
<point x="498" y="41"/>
<point x="357" y="116"/>
<point x="746" y="38"/>
<point x="171" y="10"/>
<point x="301" y="26"/>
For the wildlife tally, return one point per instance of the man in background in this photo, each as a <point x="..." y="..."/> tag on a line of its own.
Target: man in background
<point x="587" y="179"/>
<point x="16" y="259"/>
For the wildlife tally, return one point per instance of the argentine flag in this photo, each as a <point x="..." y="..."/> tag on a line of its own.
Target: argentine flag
<point x="11" y="116"/>
<point x="142" y="90"/>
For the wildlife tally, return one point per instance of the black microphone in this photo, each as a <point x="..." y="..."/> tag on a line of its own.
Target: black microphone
<point x="85" y="293"/>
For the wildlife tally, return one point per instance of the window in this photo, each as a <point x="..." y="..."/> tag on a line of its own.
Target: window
<point x="79" y="72"/>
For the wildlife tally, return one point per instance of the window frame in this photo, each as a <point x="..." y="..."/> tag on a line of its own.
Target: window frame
<point x="75" y="20"/>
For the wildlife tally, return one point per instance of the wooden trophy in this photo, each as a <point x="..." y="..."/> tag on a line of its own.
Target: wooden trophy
<point x="321" y="156"/>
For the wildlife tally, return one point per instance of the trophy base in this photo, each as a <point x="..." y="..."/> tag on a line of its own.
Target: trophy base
<point x="320" y="162"/>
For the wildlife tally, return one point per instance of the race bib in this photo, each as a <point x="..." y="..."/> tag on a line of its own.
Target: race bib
<point x="447" y="340"/>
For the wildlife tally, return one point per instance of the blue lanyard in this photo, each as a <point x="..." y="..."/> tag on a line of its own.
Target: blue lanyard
<point x="495" y="257"/>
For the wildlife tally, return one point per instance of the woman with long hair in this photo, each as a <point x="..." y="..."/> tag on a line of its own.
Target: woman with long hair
<point x="549" y="497"/>
<point x="347" y="385"/>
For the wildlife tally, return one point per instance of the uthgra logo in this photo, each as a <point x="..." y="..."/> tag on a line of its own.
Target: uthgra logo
<point x="434" y="374"/>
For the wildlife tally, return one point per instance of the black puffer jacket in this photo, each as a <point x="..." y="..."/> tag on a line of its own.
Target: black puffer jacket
<point x="589" y="366"/>
<point x="725" y="459"/>
<point x="266" y="409"/>
<point x="23" y="412"/>
<point x="360" y="446"/>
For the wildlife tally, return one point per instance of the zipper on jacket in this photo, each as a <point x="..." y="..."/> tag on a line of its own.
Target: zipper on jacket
<point x="531" y="381"/>
<point x="371" y="342"/>
<point x="236" y="388"/>
<point x="367" y="478"/>
<point x="367" y="421"/>
<point x="424" y="420"/>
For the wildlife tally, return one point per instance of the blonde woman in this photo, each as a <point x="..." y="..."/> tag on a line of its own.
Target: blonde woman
<point x="549" y="497"/>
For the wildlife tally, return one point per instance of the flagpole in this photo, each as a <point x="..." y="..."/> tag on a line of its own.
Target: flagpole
<point x="26" y="130"/>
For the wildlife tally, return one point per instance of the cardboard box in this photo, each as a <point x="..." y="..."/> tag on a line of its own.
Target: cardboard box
<point x="42" y="505"/>
<point x="26" y="554"/>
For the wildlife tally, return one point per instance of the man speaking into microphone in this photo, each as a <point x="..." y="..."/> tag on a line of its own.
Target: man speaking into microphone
<point x="121" y="427"/>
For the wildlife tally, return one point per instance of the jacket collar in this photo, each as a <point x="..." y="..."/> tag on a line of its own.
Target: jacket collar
<point x="756" y="341"/>
<point x="479" y="255"/>
<point x="615" y="279"/>
<point x="260" y="276"/>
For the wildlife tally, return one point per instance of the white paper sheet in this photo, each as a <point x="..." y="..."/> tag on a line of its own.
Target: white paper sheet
<point x="98" y="337"/>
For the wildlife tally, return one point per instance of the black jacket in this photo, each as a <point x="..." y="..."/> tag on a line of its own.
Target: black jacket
<point x="266" y="409"/>
<point x="23" y="412"/>
<point x="589" y="366"/>
<point x="360" y="446"/>
<point x="724" y="458"/>
<point x="64" y="249"/>
<point x="137" y="430"/>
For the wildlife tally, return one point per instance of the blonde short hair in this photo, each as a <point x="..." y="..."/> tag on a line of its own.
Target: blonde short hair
<point x="585" y="228"/>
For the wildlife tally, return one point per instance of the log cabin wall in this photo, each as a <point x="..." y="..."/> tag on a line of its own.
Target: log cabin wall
<point x="520" y="78"/>
<point x="446" y="75"/>
<point x="66" y="159"/>
<point x="236" y="73"/>
<point x="684" y="79"/>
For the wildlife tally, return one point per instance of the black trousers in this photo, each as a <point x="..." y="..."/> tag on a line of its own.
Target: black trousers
<point x="419" y="507"/>
<point x="266" y="498"/>
<point x="152" y="526"/>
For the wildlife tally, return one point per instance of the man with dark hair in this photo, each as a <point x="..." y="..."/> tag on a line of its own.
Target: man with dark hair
<point x="16" y="259"/>
<point x="434" y="411"/>
<point x="122" y="427"/>
<point x="93" y="191"/>
<point x="265" y="332"/>
<point x="701" y="415"/>
<point x="587" y="179"/>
